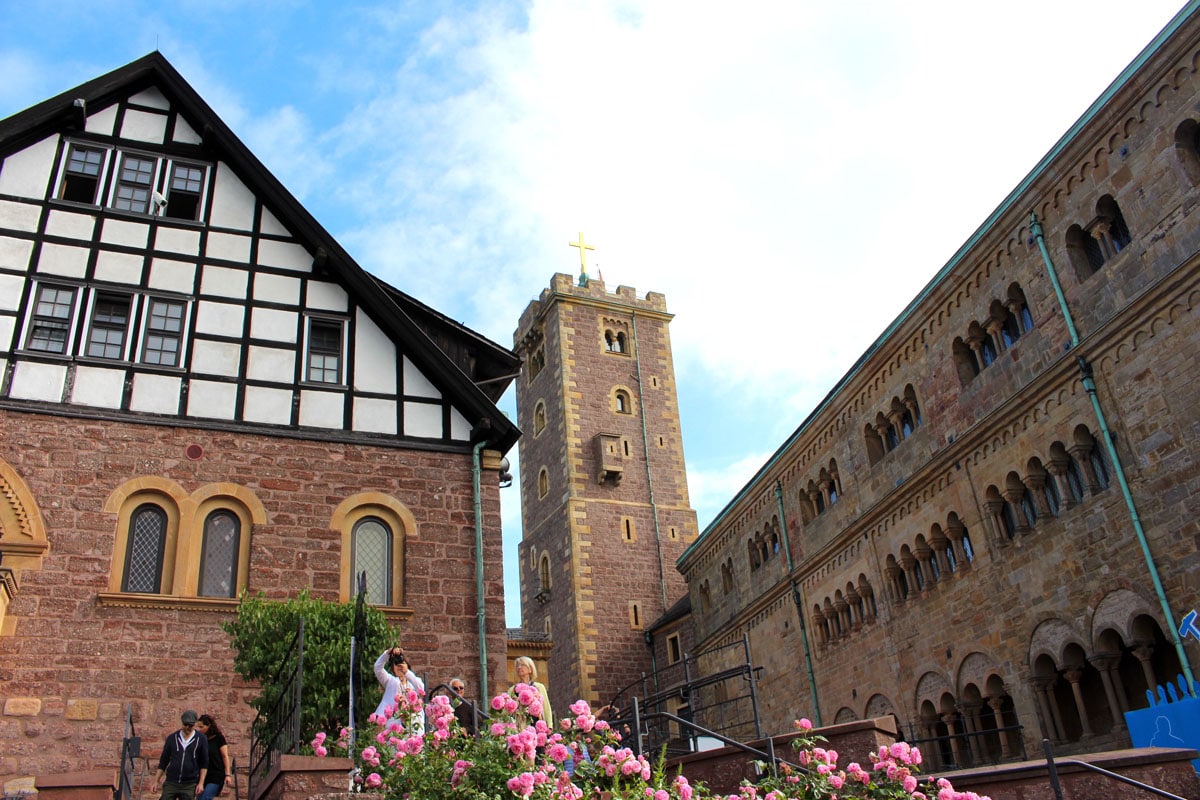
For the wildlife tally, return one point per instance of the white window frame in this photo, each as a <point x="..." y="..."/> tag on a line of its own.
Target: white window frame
<point x="147" y="306"/>
<point x="109" y="181"/>
<point x="95" y="294"/>
<point x="309" y="320"/>
<point x="63" y="173"/>
<point x="72" y="321"/>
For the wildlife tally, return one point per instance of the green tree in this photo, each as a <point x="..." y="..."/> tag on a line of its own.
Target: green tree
<point x="263" y="631"/>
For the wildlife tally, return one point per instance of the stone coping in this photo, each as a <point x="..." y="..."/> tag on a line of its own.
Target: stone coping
<point x="1110" y="760"/>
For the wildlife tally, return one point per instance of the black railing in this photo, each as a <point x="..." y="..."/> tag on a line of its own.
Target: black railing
<point x="131" y="751"/>
<point x="276" y="730"/>
<point x="1052" y="770"/>
<point x="966" y="750"/>
<point x="716" y="689"/>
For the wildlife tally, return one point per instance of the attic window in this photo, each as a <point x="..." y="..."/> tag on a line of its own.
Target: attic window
<point x="324" y="350"/>
<point x="183" y="199"/>
<point x="81" y="178"/>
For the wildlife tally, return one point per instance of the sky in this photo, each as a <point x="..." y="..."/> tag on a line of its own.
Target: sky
<point x="789" y="174"/>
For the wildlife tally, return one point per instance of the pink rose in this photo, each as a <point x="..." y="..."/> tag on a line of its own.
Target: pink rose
<point x="374" y="781"/>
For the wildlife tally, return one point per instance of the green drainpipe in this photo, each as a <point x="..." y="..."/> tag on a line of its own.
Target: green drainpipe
<point x="1089" y="384"/>
<point x="799" y="601"/>
<point x="481" y="612"/>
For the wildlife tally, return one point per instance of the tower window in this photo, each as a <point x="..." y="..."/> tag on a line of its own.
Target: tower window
<point x="635" y="615"/>
<point x="543" y="483"/>
<point x="628" y="532"/>
<point x="622" y="402"/>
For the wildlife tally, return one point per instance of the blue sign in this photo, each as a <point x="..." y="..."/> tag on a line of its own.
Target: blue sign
<point x="1172" y="720"/>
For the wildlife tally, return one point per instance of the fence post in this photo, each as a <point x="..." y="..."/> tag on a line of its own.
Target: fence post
<point x="1052" y="770"/>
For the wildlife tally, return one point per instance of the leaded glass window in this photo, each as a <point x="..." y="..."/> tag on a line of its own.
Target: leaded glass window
<point x="219" y="556"/>
<point x="371" y="541"/>
<point x="146" y="544"/>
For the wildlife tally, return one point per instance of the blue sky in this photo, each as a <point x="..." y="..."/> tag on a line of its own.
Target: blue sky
<point x="788" y="174"/>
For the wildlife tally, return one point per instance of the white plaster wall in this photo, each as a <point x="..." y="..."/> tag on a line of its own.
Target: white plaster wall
<point x="172" y="276"/>
<point x="177" y="240"/>
<point x="228" y="247"/>
<point x="271" y="225"/>
<point x="267" y="405"/>
<point x="224" y="282"/>
<point x="232" y="203"/>
<point x="102" y="122"/>
<point x="423" y="419"/>
<point x="374" y="357"/>
<point x="119" y="267"/>
<point x="276" y="288"/>
<point x="14" y="253"/>
<point x="273" y="324"/>
<point x="71" y="225"/>
<point x="130" y="234"/>
<point x="460" y="429"/>
<point x="151" y="98"/>
<point x="144" y="126"/>
<point x="184" y="132"/>
<point x="216" y="358"/>
<point x="416" y="384"/>
<point x="212" y="400"/>
<point x="8" y="327"/>
<point x="19" y="216"/>
<point x="61" y="259"/>
<point x="26" y="173"/>
<point x="271" y="364"/>
<point x="285" y="255"/>
<point x="96" y="386"/>
<point x="326" y="296"/>
<point x="10" y="291"/>
<point x="374" y="415"/>
<point x="155" y="394"/>
<point x="322" y="409"/>
<point x="222" y="319"/>
<point x="36" y="381"/>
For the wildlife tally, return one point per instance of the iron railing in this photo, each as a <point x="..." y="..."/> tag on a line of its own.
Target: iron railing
<point x="972" y="749"/>
<point x="129" y="786"/>
<point x="1052" y="769"/>
<point x="276" y="730"/>
<point x="714" y="690"/>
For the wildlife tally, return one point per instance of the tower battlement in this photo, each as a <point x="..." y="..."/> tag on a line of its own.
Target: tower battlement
<point x="563" y="285"/>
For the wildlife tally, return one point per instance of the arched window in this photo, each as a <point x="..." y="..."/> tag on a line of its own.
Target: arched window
<point x="219" y="554"/>
<point x="543" y="483"/>
<point x="965" y="361"/>
<point x="622" y="345"/>
<point x="1187" y="147"/>
<point x="1115" y="233"/>
<point x="987" y="351"/>
<point x="874" y="444"/>
<point x="146" y="550"/>
<point x="544" y="573"/>
<point x="371" y="553"/>
<point x="907" y="424"/>
<point x="539" y="418"/>
<point x="1100" y="467"/>
<point x="1075" y="480"/>
<point x="892" y="439"/>
<point x="622" y="402"/>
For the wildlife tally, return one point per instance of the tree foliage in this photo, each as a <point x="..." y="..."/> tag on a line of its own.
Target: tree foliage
<point x="263" y="631"/>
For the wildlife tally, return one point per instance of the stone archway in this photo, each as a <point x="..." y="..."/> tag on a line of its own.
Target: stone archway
<point x="23" y="541"/>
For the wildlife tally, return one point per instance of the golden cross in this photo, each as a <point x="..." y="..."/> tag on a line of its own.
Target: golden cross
<point x="583" y="248"/>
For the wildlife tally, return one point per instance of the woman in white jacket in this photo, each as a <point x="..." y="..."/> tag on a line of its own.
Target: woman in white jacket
<point x="399" y="681"/>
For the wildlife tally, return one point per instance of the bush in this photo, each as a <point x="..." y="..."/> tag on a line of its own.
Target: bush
<point x="263" y="631"/>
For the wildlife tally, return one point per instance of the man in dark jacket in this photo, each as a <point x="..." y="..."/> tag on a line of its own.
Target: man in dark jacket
<point x="184" y="761"/>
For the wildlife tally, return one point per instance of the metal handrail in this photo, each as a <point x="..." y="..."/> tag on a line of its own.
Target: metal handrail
<point x="284" y="717"/>
<point x="1052" y="768"/>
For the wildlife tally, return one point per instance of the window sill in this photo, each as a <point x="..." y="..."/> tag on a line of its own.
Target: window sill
<point x="139" y="600"/>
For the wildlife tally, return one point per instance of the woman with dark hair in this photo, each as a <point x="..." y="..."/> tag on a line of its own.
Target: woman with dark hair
<point x="219" y="771"/>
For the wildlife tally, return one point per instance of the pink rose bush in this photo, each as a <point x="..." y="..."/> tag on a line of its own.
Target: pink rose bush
<point x="516" y="755"/>
<point x="892" y="776"/>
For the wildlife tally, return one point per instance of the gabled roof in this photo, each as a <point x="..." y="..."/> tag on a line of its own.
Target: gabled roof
<point x="463" y="359"/>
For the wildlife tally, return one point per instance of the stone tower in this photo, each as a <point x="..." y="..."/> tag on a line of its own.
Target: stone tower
<point x="604" y="496"/>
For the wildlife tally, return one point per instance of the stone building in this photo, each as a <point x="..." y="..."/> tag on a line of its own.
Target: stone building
<point x="203" y="394"/>
<point x="955" y="534"/>
<point x="604" y="497"/>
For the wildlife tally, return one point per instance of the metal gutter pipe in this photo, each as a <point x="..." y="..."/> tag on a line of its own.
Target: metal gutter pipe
<point x="1089" y="384"/>
<point x="799" y="601"/>
<point x="481" y="609"/>
<point x="637" y="360"/>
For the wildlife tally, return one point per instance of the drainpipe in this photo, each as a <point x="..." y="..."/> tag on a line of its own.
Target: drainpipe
<point x="1089" y="384"/>
<point x="637" y="360"/>
<point x="799" y="601"/>
<point x="481" y="612"/>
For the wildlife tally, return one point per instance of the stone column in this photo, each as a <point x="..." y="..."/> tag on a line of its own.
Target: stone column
<point x="1058" y="469"/>
<point x="974" y="726"/>
<point x="996" y="523"/>
<point x="1082" y="453"/>
<point x="1106" y="663"/>
<point x="1014" y="501"/>
<point x="1037" y="486"/>
<point x="996" y="703"/>
<point x="955" y="745"/>
<point x="1143" y="650"/>
<point x="1074" y="675"/>
<point x="1043" y="690"/>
